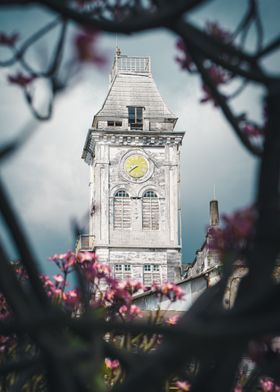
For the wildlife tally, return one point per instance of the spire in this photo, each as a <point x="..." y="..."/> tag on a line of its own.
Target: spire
<point x="214" y="211"/>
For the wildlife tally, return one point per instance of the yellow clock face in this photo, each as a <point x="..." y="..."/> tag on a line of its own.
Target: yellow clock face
<point x="136" y="166"/>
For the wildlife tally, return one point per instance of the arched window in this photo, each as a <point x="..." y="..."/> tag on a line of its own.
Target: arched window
<point x="122" y="210"/>
<point x="150" y="211"/>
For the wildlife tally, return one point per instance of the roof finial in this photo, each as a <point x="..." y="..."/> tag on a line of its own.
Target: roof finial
<point x="214" y="192"/>
<point x="118" y="51"/>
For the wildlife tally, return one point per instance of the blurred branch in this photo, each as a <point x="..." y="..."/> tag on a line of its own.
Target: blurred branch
<point x="163" y="16"/>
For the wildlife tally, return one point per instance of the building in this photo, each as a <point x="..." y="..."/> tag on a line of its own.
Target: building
<point x="207" y="257"/>
<point x="202" y="273"/>
<point x="134" y="157"/>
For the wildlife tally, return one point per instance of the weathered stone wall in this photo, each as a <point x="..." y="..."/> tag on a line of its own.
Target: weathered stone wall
<point x="168" y="262"/>
<point x="116" y="133"/>
<point x="108" y="177"/>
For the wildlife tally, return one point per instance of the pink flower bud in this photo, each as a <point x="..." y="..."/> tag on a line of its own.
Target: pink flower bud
<point x="183" y="386"/>
<point x="111" y="363"/>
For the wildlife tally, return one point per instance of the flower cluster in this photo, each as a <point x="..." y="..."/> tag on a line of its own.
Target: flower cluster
<point x="183" y="386"/>
<point x="184" y="59"/>
<point x="218" y="75"/>
<point x="236" y="232"/>
<point x="172" y="320"/>
<point x="252" y="130"/>
<point x="106" y="292"/>
<point x="118" y="298"/>
<point x="64" y="261"/>
<point x="115" y="299"/>
<point x="268" y="385"/>
<point x="265" y="385"/>
<point x="219" y="33"/>
<point x="130" y="311"/>
<point x="111" y="363"/>
<point x="85" y="43"/>
<point x="4" y="309"/>
<point x="169" y="290"/>
<point x="8" y="40"/>
<point x="55" y="289"/>
<point x="20" y="79"/>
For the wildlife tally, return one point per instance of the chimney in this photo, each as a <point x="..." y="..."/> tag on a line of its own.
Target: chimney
<point x="214" y="213"/>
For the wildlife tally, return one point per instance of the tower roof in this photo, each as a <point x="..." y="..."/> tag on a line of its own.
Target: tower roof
<point x="132" y="85"/>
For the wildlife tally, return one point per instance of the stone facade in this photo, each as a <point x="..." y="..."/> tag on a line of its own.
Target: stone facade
<point x="134" y="158"/>
<point x="207" y="257"/>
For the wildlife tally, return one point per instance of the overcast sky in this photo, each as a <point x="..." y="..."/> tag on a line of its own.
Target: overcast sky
<point x="48" y="181"/>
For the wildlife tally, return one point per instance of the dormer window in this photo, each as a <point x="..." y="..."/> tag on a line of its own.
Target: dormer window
<point x="114" y="123"/>
<point x="135" y="117"/>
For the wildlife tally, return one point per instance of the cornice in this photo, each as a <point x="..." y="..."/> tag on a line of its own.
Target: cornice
<point x="129" y="138"/>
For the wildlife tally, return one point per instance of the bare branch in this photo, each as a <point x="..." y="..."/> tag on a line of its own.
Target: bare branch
<point x="145" y="19"/>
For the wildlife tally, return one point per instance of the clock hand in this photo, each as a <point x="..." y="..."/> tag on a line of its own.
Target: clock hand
<point x="134" y="167"/>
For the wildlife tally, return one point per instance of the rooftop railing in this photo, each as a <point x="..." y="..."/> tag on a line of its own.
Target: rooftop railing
<point x="85" y="242"/>
<point x="131" y="64"/>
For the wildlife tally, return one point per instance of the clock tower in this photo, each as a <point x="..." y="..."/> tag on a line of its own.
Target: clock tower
<point x="134" y="157"/>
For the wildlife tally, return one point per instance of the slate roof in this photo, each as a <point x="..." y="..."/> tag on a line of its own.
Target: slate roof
<point x="133" y="85"/>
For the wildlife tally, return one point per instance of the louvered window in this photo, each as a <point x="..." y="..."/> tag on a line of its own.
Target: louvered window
<point x="151" y="274"/>
<point x="150" y="211"/>
<point x="122" y="210"/>
<point x="122" y="271"/>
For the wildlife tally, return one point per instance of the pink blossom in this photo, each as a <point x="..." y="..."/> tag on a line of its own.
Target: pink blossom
<point x="183" y="386"/>
<point x="111" y="363"/>
<point x="46" y="281"/>
<point x="236" y="231"/>
<point x="86" y="256"/>
<point x="72" y="297"/>
<point x="5" y="343"/>
<point x="86" y="48"/>
<point x="4" y="310"/>
<point x="58" y="278"/>
<point x="216" y="31"/>
<point x="253" y="130"/>
<point x="102" y="269"/>
<point x="169" y="290"/>
<point x="96" y="270"/>
<point x="58" y="294"/>
<point x="115" y="294"/>
<point x="131" y="311"/>
<point x="131" y="286"/>
<point x="8" y="39"/>
<point x="218" y="76"/>
<point x="238" y="388"/>
<point x="185" y="60"/>
<point x="172" y="320"/>
<point x="268" y="385"/>
<point x="109" y="295"/>
<point x="21" y="273"/>
<point x="20" y="79"/>
<point x="64" y="260"/>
